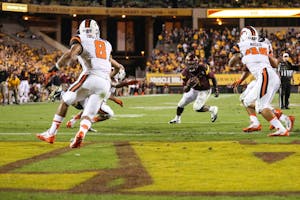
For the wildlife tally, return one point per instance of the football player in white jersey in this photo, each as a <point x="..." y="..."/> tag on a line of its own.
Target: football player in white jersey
<point x="94" y="55"/>
<point x="105" y="112"/>
<point x="248" y="97"/>
<point x="255" y="55"/>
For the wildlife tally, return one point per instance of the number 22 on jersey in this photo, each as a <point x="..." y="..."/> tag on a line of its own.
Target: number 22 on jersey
<point x="100" y="49"/>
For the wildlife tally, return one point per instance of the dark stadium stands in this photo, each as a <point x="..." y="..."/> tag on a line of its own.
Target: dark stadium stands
<point x="212" y="46"/>
<point x="169" y="3"/>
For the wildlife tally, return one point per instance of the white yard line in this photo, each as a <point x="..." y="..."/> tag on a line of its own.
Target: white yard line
<point x="135" y="134"/>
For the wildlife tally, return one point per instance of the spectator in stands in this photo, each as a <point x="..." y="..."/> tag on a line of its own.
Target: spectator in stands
<point x="211" y="46"/>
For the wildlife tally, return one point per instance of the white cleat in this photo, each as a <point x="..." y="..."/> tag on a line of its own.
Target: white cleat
<point x="214" y="114"/>
<point x="175" y="121"/>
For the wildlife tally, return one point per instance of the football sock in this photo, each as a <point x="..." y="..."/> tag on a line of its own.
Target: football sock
<point x="55" y="124"/>
<point x="277" y="124"/>
<point x="284" y="118"/>
<point x="179" y="111"/>
<point x="85" y="125"/>
<point x="211" y="108"/>
<point x="254" y="120"/>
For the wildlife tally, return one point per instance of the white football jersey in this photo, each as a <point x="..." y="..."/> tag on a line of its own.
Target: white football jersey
<point x="95" y="55"/>
<point x="255" y="55"/>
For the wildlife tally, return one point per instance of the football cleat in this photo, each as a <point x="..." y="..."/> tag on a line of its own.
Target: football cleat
<point x="70" y="124"/>
<point x="214" y="114"/>
<point x="77" y="141"/>
<point x="175" y="121"/>
<point x="50" y="139"/>
<point x="290" y="123"/>
<point x="279" y="133"/>
<point x="252" y="128"/>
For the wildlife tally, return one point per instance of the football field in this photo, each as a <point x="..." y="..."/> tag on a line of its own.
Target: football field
<point x="138" y="155"/>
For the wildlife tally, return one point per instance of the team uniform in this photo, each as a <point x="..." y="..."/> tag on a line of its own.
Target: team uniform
<point x="93" y="82"/>
<point x="199" y="91"/>
<point x="255" y="55"/>
<point x="95" y="75"/>
<point x="248" y="96"/>
<point x="105" y="112"/>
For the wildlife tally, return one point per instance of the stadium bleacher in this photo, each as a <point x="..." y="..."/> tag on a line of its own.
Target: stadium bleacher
<point x="20" y="45"/>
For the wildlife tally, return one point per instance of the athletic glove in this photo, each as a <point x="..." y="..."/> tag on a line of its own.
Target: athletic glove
<point x="216" y="92"/>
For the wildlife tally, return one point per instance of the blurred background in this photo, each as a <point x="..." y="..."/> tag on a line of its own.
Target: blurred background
<point x="150" y="38"/>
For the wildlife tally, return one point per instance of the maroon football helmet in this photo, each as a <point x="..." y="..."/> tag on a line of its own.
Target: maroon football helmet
<point x="191" y="61"/>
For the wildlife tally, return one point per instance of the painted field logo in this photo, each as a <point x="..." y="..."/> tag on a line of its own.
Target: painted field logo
<point x="151" y="167"/>
<point x="220" y="167"/>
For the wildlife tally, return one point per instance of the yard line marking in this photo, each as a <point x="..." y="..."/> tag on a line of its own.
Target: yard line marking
<point x="138" y="134"/>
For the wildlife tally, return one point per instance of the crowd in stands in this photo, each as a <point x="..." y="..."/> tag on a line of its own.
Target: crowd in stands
<point x="24" y="73"/>
<point x="213" y="47"/>
<point x="168" y="3"/>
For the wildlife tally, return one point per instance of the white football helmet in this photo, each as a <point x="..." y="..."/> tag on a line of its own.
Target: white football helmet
<point x="248" y="33"/>
<point x="120" y="75"/>
<point x="90" y="28"/>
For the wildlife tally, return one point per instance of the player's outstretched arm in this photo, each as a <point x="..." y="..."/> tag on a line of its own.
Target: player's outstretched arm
<point x="117" y="66"/>
<point x="243" y="77"/>
<point x="234" y="59"/>
<point x="68" y="56"/>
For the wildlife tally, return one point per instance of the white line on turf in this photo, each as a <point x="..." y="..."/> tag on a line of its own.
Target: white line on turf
<point x="137" y="134"/>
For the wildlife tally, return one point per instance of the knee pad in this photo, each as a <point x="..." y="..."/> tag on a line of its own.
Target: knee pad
<point x="69" y="97"/>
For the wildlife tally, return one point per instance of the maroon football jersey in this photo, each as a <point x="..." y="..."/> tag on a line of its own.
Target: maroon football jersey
<point x="203" y="74"/>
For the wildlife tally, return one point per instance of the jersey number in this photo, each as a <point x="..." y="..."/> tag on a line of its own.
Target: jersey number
<point x="255" y="50"/>
<point x="100" y="49"/>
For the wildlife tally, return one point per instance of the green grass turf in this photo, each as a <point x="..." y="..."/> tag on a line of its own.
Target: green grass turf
<point x="92" y="157"/>
<point x="63" y="196"/>
<point x="143" y="118"/>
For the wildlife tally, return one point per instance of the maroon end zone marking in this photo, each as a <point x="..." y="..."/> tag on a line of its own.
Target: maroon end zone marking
<point x="271" y="157"/>
<point x="134" y="175"/>
<point x="131" y="171"/>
